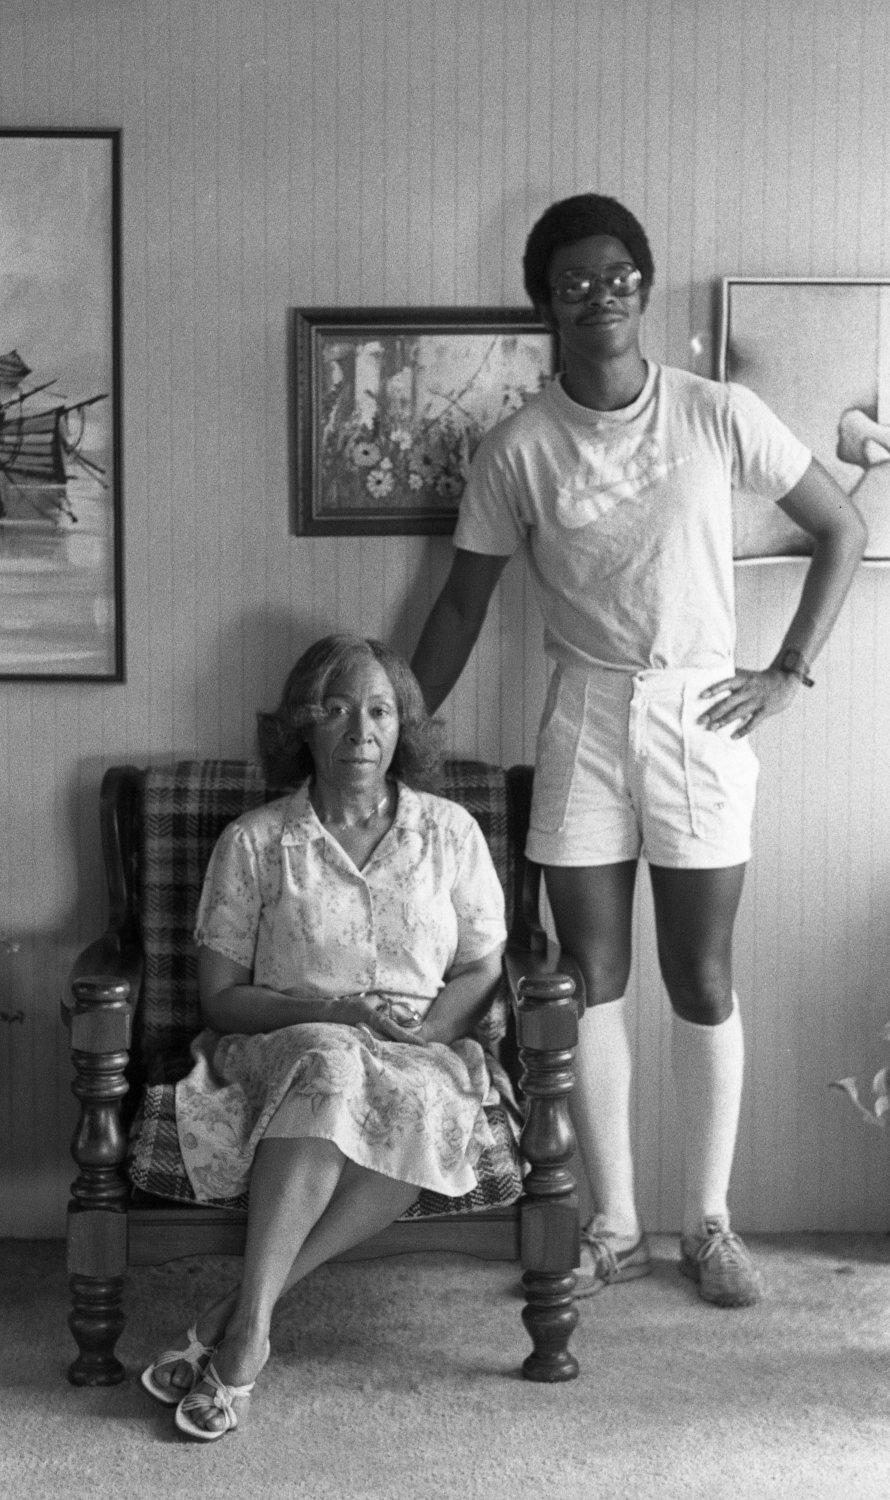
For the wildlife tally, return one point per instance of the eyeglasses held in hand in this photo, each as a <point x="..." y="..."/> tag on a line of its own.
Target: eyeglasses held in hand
<point x="576" y="286"/>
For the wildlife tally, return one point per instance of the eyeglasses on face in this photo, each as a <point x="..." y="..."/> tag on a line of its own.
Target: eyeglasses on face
<point x="576" y="286"/>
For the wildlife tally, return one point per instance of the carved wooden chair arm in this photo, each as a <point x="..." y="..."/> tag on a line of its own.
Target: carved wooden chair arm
<point x="98" y="1010"/>
<point x="104" y="973"/>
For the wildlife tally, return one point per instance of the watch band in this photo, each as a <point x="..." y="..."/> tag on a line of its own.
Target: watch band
<point x="792" y="663"/>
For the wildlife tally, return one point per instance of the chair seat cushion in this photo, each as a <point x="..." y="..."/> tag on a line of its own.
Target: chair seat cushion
<point x="156" y="1166"/>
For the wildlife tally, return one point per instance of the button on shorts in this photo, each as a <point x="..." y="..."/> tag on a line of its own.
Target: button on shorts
<point x="622" y="768"/>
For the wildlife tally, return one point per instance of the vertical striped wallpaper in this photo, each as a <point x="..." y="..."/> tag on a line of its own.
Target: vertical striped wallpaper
<point x="312" y="152"/>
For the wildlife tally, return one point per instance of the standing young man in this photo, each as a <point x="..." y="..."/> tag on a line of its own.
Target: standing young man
<point x="615" y="481"/>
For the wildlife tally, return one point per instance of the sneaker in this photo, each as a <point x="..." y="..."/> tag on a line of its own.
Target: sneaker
<point x="603" y="1262"/>
<point x="719" y="1262"/>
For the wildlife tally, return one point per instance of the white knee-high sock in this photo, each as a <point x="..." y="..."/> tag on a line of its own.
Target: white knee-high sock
<point x="601" y="1116"/>
<point x="708" y="1062"/>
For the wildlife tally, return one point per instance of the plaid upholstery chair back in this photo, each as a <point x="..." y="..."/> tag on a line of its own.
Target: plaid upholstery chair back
<point x="185" y="807"/>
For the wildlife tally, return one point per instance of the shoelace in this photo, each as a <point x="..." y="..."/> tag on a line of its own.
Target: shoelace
<point x="722" y="1242"/>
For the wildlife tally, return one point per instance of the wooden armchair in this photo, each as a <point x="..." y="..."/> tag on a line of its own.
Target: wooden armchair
<point x="133" y="1009"/>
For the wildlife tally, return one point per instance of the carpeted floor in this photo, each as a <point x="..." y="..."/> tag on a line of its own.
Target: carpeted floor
<point x="397" y="1380"/>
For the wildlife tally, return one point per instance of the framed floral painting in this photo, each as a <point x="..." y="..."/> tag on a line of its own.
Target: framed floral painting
<point x="390" y="404"/>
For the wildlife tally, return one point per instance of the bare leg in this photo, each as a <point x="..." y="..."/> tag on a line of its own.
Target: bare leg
<point x="695" y="914"/>
<point x="303" y="1194"/>
<point x="593" y="910"/>
<point x="363" y="1203"/>
<point x="291" y="1184"/>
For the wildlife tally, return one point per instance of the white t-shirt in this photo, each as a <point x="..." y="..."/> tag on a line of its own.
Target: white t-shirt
<point x="626" y="515"/>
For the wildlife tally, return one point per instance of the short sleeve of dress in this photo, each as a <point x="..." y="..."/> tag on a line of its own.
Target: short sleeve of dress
<point x="477" y="898"/>
<point x="229" y="910"/>
<point x="767" y="458"/>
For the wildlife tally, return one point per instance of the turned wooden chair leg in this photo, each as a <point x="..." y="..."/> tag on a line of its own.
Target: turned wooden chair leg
<point x="97" y="1321"/>
<point x="97" y="1219"/>
<point x="549" y="1212"/>
<point x="550" y="1316"/>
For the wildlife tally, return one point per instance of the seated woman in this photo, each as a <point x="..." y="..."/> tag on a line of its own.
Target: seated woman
<point x="349" y="936"/>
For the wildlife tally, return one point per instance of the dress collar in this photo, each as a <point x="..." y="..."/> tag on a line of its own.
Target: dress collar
<point x="301" y="821"/>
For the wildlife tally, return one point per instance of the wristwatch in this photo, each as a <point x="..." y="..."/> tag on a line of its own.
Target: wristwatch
<point x="792" y="663"/>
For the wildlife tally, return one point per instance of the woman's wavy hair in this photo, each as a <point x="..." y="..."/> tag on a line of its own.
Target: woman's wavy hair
<point x="281" y="735"/>
<point x="577" y="218"/>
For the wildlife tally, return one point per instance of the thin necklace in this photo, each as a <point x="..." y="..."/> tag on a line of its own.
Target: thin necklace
<point x="364" y="820"/>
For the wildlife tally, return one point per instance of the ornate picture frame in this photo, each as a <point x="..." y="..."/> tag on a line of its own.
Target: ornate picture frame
<point x="389" y="404"/>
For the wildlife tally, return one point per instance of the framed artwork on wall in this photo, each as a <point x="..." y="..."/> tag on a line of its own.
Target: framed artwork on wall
<point x="818" y="352"/>
<point x="388" y="406"/>
<point x="61" y="590"/>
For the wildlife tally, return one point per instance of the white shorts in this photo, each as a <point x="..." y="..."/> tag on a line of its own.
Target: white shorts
<point x="623" y="768"/>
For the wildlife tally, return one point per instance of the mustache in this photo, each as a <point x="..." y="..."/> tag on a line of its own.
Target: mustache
<point x="615" y="311"/>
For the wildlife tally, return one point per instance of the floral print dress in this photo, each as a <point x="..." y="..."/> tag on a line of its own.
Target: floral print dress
<point x="282" y="898"/>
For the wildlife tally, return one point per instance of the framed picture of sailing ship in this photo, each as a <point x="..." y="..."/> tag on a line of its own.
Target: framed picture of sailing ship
<point x="389" y="405"/>
<point x="61" y="613"/>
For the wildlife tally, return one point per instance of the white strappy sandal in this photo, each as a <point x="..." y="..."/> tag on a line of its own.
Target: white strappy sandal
<point x="231" y="1400"/>
<point x="196" y="1354"/>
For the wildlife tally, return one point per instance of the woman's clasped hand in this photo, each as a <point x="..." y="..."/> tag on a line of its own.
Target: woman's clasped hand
<point x="395" y="1018"/>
